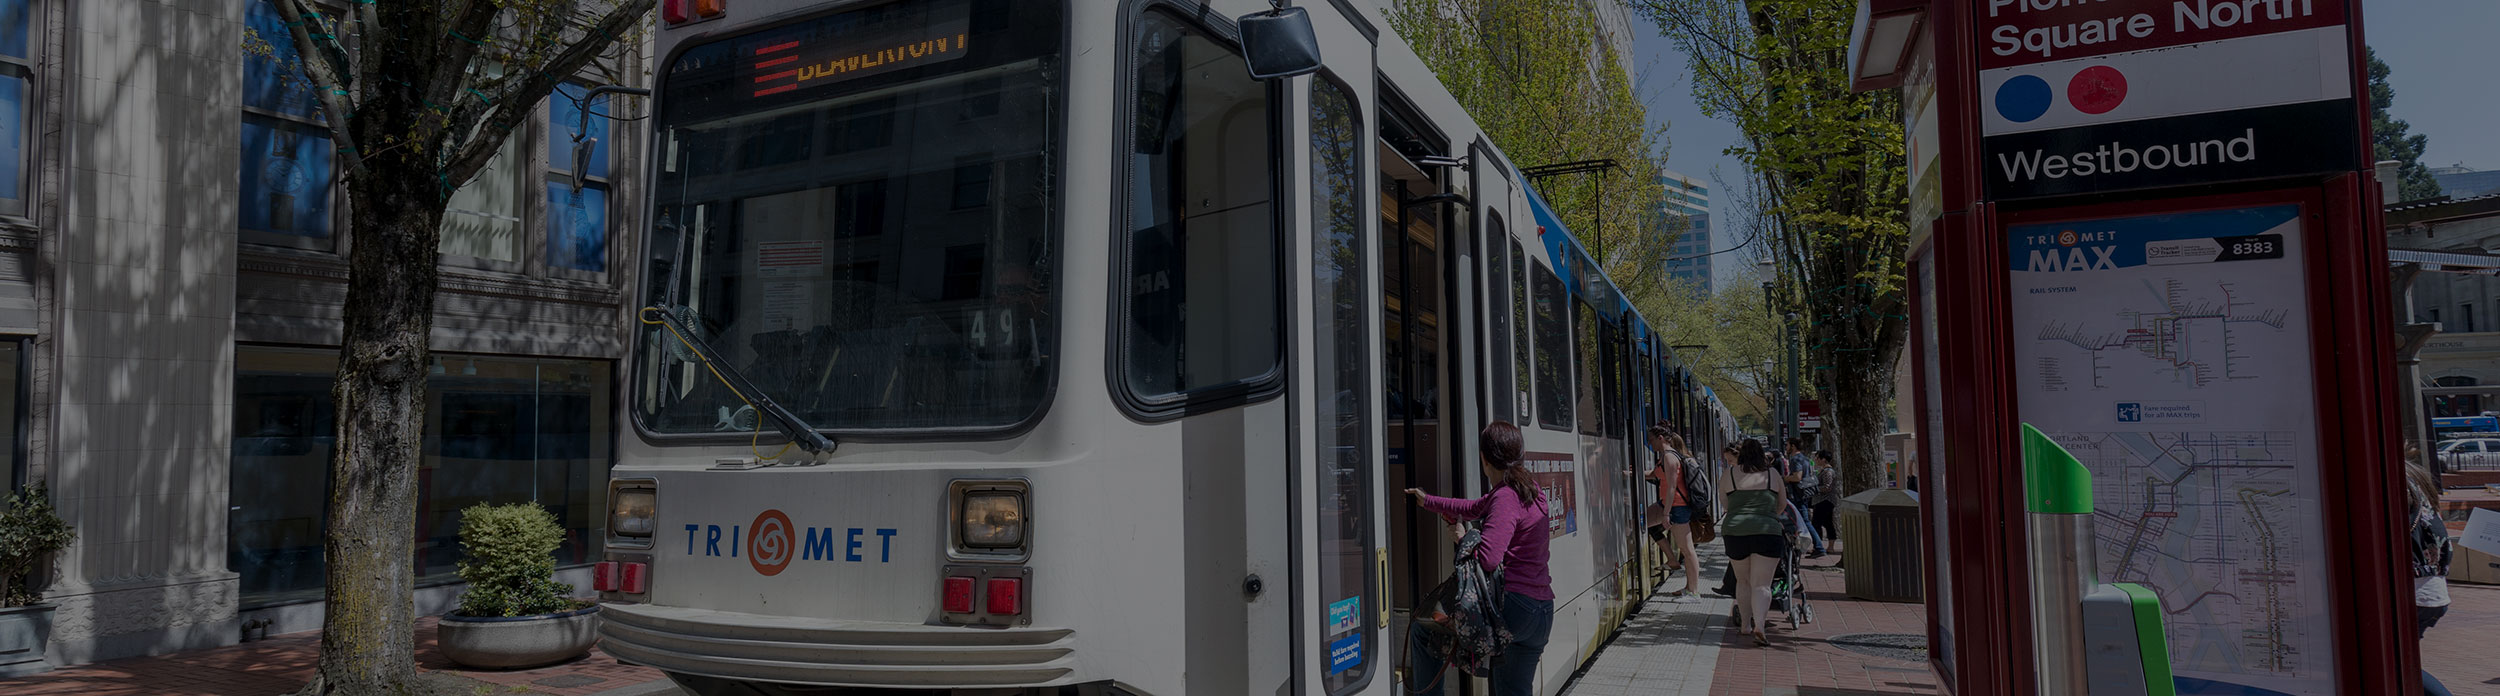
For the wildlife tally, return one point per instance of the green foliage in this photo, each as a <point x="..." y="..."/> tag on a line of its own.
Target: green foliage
<point x="511" y="561"/>
<point x="1829" y="185"/>
<point x="1548" y="87"/>
<point x="2389" y="137"/>
<point x="30" y="531"/>
<point x="1743" y="339"/>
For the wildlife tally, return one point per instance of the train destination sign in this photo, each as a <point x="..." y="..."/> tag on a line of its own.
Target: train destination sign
<point x="815" y="55"/>
<point x="2086" y="96"/>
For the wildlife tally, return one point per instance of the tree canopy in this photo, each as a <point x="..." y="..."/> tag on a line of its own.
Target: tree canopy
<point x="2392" y="138"/>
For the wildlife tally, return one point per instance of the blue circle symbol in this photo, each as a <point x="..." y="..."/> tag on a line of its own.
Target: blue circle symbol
<point x="2023" y="98"/>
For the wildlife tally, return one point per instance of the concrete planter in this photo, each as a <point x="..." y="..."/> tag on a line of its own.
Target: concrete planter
<point x="24" y="633"/>
<point x="517" y="642"/>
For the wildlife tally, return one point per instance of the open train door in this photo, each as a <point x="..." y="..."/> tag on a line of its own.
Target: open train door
<point x="1341" y="642"/>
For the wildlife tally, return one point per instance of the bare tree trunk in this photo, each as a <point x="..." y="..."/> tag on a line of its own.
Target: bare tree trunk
<point x="368" y="632"/>
<point x="1859" y="399"/>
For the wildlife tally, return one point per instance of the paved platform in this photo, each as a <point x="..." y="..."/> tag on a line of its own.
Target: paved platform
<point x="2458" y="650"/>
<point x="1687" y="649"/>
<point x="282" y="663"/>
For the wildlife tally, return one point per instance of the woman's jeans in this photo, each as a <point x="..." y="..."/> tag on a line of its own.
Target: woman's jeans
<point x="1531" y="621"/>
<point x="2423" y="619"/>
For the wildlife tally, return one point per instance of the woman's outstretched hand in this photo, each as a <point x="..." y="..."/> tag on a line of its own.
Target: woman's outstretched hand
<point x="1415" y="495"/>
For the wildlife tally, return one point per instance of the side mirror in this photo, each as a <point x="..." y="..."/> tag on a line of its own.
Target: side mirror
<point x="1279" y="43"/>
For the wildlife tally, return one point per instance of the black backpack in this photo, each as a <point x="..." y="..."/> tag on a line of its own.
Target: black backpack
<point x="1473" y="637"/>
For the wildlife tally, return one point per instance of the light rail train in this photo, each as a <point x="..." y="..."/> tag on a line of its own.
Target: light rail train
<point x="1122" y="355"/>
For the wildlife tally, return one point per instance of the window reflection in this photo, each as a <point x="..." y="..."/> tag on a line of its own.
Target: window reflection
<point x="498" y="430"/>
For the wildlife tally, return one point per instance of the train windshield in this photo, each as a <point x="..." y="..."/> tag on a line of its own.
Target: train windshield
<point x="857" y="212"/>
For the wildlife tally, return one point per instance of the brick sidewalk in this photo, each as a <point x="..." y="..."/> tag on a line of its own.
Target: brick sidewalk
<point x="283" y="663"/>
<point x="1686" y="649"/>
<point x="2456" y="651"/>
<point x="1804" y="662"/>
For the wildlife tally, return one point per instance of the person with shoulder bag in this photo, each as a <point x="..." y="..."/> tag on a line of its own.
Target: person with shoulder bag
<point x="1516" y="544"/>
<point x="1674" y="535"/>
<point x="2427" y="537"/>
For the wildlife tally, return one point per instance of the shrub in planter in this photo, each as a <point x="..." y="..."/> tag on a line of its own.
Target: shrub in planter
<point x="514" y="613"/>
<point x="30" y="532"/>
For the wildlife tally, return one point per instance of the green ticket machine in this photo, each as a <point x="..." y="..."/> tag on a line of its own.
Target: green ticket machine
<point x="2090" y="637"/>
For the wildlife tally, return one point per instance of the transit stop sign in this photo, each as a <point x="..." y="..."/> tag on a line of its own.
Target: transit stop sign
<point x="2144" y="244"/>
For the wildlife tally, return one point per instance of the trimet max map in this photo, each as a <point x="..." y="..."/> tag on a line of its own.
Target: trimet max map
<point x="2169" y="353"/>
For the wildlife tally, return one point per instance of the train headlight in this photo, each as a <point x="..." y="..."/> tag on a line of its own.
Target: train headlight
<point x="992" y="519"/>
<point x="633" y="511"/>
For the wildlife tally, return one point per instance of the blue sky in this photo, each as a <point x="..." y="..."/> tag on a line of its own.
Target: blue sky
<point x="2440" y="53"/>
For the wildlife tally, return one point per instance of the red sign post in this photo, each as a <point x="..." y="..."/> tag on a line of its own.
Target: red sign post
<point x="2146" y="228"/>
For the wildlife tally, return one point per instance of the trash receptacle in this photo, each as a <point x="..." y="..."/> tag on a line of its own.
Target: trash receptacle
<point x="1879" y="548"/>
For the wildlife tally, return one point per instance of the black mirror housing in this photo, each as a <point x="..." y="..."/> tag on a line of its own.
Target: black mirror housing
<point x="1279" y="43"/>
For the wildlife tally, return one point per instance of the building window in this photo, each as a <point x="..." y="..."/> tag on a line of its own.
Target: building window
<point x="288" y="161"/>
<point x="17" y="102"/>
<point x="2465" y="313"/>
<point x="498" y="430"/>
<point x="972" y="183"/>
<point x="483" y="219"/>
<point x="578" y="171"/>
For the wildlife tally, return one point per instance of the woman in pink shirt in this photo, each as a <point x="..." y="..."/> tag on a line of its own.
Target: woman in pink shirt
<point x="1516" y="543"/>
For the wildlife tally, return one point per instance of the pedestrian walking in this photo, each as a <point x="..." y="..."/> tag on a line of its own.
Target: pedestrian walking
<point x="1802" y="488"/>
<point x="1754" y="534"/>
<point x="1826" y="498"/>
<point x="1674" y="533"/>
<point x="1516" y="544"/>
<point x="2428" y="535"/>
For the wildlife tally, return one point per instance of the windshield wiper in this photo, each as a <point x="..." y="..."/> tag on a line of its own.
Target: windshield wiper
<point x="799" y="432"/>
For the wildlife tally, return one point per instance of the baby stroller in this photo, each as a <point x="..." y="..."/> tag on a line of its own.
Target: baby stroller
<point x="1788" y="591"/>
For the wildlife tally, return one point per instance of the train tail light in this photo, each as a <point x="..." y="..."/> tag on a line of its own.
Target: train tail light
<point x="676" y="11"/>
<point x="635" y="578"/>
<point x="603" y="576"/>
<point x="1006" y="596"/>
<point x="708" y="9"/>
<point x="959" y="595"/>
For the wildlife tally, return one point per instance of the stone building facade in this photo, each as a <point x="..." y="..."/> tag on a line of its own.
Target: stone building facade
<point x="171" y="278"/>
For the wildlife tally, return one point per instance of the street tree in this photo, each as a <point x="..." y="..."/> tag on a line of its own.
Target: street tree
<point x="2392" y="139"/>
<point x="417" y="96"/>
<point x="1741" y="340"/>
<point x="1828" y="167"/>
<point x="1547" y="85"/>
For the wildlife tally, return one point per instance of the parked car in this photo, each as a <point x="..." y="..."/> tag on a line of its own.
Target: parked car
<point x="2470" y="454"/>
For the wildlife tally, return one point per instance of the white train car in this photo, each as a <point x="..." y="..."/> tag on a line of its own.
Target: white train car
<point x="1124" y="356"/>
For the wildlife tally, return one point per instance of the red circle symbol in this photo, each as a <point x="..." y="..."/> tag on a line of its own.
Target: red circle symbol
<point x="769" y="546"/>
<point x="2097" y="89"/>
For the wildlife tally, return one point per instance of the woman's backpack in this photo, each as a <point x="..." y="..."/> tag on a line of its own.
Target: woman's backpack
<point x="1473" y="635"/>
<point x="1697" y="496"/>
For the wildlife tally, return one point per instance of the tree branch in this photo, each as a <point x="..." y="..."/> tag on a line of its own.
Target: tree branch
<point x="329" y="83"/>
<point x="519" y="98"/>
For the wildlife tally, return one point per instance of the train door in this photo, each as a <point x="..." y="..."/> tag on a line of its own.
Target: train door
<point x="1341" y="644"/>
<point x="1414" y="229"/>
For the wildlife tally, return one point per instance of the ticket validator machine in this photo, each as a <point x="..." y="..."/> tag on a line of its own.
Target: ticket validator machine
<point x="2090" y="638"/>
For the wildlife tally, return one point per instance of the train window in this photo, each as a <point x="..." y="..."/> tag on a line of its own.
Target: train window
<point x="1522" y="359"/>
<point x="1553" y="350"/>
<point x="1585" y="370"/>
<point x="870" y="260"/>
<point x="1201" y="241"/>
<point x="1498" y="299"/>
<point x="1341" y="376"/>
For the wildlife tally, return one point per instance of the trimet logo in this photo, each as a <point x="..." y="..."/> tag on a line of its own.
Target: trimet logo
<point x="772" y="541"/>
<point x="769" y="546"/>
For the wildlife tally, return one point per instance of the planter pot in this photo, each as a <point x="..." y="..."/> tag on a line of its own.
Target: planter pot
<point x="517" y="642"/>
<point x="24" y="632"/>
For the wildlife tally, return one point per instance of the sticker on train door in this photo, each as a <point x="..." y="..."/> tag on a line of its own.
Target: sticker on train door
<point x="1345" y="653"/>
<point x="1346" y="615"/>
